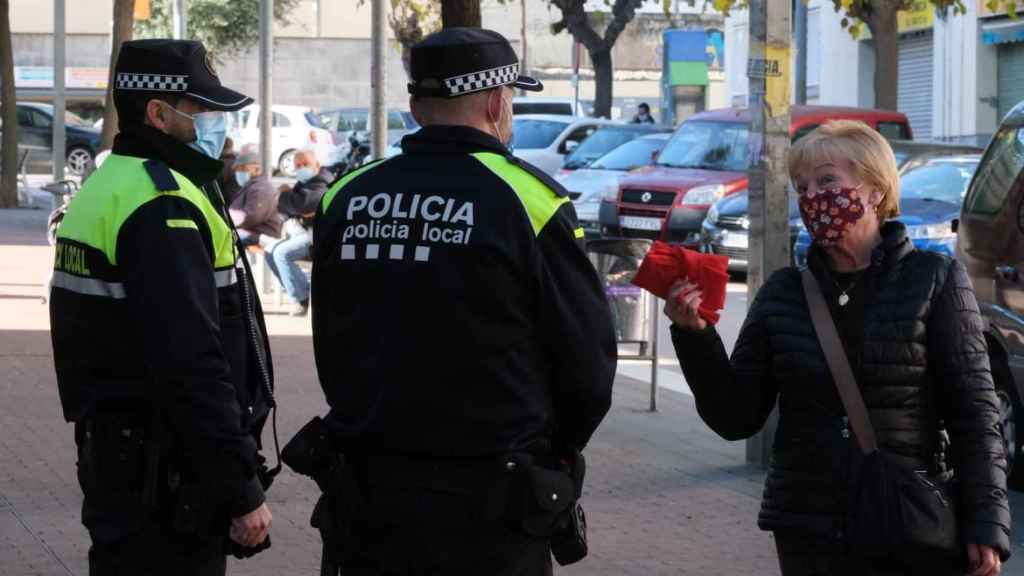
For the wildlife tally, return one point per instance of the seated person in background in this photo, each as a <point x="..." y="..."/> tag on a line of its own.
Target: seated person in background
<point x="643" y="115"/>
<point x="298" y="203"/>
<point x="253" y="208"/>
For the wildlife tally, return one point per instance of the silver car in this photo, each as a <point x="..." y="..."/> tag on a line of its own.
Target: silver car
<point x="599" y="181"/>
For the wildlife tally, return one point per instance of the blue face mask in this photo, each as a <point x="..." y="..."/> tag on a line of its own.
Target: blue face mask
<point x="304" y="174"/>
<point x="211" y="131"/>
<point x="242" y="177"/>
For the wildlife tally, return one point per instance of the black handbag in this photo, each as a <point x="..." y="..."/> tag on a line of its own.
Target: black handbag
<point x="894" y="511"/>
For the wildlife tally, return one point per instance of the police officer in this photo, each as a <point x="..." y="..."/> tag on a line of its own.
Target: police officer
<point x="160" y="351"/>
<point x="462" y="337"/>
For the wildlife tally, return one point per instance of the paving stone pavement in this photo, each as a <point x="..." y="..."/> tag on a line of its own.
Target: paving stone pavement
<point x="664" y="495"/>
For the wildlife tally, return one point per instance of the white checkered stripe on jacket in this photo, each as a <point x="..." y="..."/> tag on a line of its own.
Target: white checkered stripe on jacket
<point x="477" y="81"/>
<point x="152" y="82"/>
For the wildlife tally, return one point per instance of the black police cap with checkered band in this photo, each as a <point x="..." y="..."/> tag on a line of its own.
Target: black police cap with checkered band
<point x="172" y="68"/>
<point x="459" y="61"/>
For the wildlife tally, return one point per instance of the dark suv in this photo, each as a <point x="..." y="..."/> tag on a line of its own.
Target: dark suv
<point x="991" y="245"/>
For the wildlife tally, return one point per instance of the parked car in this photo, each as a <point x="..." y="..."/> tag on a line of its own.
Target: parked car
<point x="600" y="180"/>
<point x="707" y="159"/>
<point x="606" y="139"/>
<point x="930" y="199"/>
<point x="544" y="140"/>
<point x="724" y="230"/>
<point x="35" y="133"/>
<point x="345" y="122"/>
<point x="550" y="105"/>
<point x="990" y="243"/>
<point x="294" y="128"/>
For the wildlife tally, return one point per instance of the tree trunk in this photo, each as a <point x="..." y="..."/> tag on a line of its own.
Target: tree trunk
<point x="8" y="112"/>
<point x="886" y="38"/>
<point x="602" y="61"/>
<point x="456" y="13"/>
<point x="124" y="11"/>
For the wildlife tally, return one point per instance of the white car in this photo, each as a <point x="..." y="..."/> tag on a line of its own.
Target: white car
<point x="550" y="105"/>
<point x="294" y="128"/>
<point x="599" y="181"/>
<point x="544" y="139"/>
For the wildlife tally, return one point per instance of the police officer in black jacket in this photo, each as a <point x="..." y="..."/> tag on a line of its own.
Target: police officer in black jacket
<point x="159" y="344"/>
<point x="462" y="337"/>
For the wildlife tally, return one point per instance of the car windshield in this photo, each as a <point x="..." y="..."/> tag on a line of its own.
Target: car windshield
<point x="597" y="145"/>
<point x="630" y="155"/>
<point x="314" y="120"/>
<point x="724" y="146"/>
<point x="529" y="134"/>
<point x="938" y="180"/>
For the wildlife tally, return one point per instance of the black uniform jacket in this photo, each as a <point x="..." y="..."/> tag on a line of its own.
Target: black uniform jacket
<point x="920" y="358"/>
<point x="455" y="312"/>
<point x="177" y="339"/>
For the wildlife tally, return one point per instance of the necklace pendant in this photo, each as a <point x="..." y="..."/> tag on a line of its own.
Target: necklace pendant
<point x="843" y="299"/>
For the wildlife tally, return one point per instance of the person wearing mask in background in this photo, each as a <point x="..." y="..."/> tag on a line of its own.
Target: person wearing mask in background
<point x="299" y="203"/>
<point x="158" y="340"/>
<point x="643" y="115"/>
<point x="254" y="207"/>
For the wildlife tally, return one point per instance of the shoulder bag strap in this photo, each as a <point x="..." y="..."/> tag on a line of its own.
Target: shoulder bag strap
<point x="838" y="364"/>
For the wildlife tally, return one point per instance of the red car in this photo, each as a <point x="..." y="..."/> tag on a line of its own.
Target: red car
<point x="706" y="159"/>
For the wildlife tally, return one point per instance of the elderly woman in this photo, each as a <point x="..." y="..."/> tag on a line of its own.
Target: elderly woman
<point x="910" y="326"/>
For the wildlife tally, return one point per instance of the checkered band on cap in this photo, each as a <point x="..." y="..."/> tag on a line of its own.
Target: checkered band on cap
<point x="467" y="83"/>
<point x="152" y="82"/>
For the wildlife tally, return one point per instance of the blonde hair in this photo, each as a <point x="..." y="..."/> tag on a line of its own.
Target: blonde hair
<point x="867" y="152"/>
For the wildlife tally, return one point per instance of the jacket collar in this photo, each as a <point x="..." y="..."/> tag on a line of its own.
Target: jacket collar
<point x="143" y="141"/>
<point x="894" y="247"/>
<point x="443" y="139"/>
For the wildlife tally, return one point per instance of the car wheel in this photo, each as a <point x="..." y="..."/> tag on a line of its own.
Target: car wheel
<point x="78" y="160"/>
<point x="1010" y="413"/>
<point x="286" y="164"/>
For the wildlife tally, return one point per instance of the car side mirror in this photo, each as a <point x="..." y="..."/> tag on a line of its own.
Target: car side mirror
<point x="955" y="225"/>
<point x="571" y="146"/>
<point x="654" y="157"/>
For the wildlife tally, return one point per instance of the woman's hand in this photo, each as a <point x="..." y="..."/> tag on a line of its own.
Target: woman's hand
<point x="681" y="306"/>
<point x="983" y="560"/>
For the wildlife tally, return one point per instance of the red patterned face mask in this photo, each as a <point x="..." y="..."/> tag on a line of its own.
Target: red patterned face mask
<point x="831" y="213"/>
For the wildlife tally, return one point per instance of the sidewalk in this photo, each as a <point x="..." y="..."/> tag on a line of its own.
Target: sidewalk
<point x="664" y="495"/>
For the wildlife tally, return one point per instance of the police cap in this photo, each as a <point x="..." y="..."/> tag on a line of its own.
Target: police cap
<point x="459" y="61"/>
<point x="164" y="67"/>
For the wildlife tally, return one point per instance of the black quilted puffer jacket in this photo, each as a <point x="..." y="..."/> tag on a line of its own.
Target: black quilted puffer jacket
<point x="922" y="362"/>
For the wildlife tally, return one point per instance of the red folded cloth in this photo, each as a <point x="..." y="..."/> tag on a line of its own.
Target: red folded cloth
<point x="665" y="263"/>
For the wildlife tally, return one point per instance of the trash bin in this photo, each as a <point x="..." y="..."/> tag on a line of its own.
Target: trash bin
<point x="617" y="261"/>
<point x="634" y="310"/>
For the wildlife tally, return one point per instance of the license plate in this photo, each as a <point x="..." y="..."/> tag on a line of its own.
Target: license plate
<point x="640" y="223"/>
<point x="734" y="240"/>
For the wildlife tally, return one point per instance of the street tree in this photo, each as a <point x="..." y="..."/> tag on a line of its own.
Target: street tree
<point x="455" y="13"/>
<point x="225" y="27"/>
<point x="585" y="28"/>
<point x="8" y="113"/>
<point x="412" y="21"/>
<point x="124" y="11"/>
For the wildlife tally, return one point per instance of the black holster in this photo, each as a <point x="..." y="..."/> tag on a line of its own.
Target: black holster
<point x="569" y="540"/>
<point x="311" y="453"/>
<point x="119" y="459"/>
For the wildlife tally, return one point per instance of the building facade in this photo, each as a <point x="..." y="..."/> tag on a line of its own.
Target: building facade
<point x="322" y="56"/>
<point x="958" y="74"/>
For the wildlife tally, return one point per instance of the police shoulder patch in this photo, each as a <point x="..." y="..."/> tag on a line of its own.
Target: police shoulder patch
<point x="161" y="175"/>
